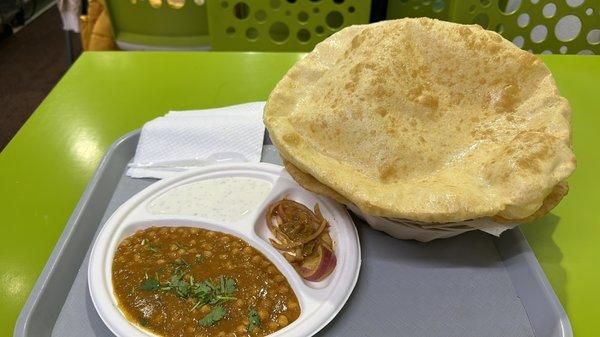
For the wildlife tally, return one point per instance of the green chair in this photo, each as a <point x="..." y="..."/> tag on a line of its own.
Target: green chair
<point x="540" y="26"/>
<point x="159" y="24"/>
<point x="280" y="25"/>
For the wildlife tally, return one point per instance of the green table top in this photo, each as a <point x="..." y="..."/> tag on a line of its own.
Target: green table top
<point x="45" y="168"/>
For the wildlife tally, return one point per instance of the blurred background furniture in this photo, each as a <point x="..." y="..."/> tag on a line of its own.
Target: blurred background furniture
<point x="16" y="13"/>
<point x="540" y="26"/>
<point x="280" y="25"/>
<point x="159" y="24"/>
<point x="95" y="28"/>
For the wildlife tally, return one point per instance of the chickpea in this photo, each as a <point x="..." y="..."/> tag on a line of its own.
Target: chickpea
<point x="273" y="325"/>
<point x="240" y="328"/>
<point x="205" y="309"/>
<point x="292" y="304"/>
<point x="256" y="259"/>
<point x="245" y="321"/>
<point x="263" y="314"/>
<point x="282" y="320"/>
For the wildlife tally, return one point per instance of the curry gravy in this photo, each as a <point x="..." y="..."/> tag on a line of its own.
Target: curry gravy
<point x="184" y="281"/>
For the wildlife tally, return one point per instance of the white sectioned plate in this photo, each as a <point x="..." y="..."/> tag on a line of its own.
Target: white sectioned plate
<point x="319" y="301"/>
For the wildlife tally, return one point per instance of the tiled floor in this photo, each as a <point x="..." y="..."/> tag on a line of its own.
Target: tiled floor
<point x="31" y="62"/>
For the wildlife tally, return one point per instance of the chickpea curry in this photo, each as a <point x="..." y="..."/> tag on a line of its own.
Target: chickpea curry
<point x="185" y="281"/>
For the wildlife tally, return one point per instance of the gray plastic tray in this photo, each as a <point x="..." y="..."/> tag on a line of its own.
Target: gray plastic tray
<point x="471" y="285"/>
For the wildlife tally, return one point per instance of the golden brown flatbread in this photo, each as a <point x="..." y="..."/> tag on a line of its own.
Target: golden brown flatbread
<point x="424" y="120"/>
<point x="310" y="183"/>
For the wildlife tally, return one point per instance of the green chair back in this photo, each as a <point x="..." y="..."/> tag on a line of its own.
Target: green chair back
<point x="540" y="26"/>
<point x="159" y="24"/>
<point x="280" y="25"/>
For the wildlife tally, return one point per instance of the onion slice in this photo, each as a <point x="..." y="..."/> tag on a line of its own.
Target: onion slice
<point x="291" y="245"/>
<point x="302" y="237"/>
<point x="318" y="266"/>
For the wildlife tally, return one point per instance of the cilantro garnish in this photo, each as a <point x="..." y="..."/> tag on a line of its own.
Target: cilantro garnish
<point x="205" y="292"/>
<point x="254" y="319"/>
<point x="227" y="285"/>
<point x="150" y="284"/>
<point x="181" y="266"/>
<point x="181" y="263"/>
<point x="180" y="286"/>
<point x="215" y="315"/>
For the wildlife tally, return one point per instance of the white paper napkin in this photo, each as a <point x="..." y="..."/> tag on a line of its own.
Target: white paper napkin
<point x="182" y="140"/>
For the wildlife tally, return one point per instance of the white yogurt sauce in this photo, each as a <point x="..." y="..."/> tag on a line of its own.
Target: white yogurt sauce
<point x="221" y="199"/>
